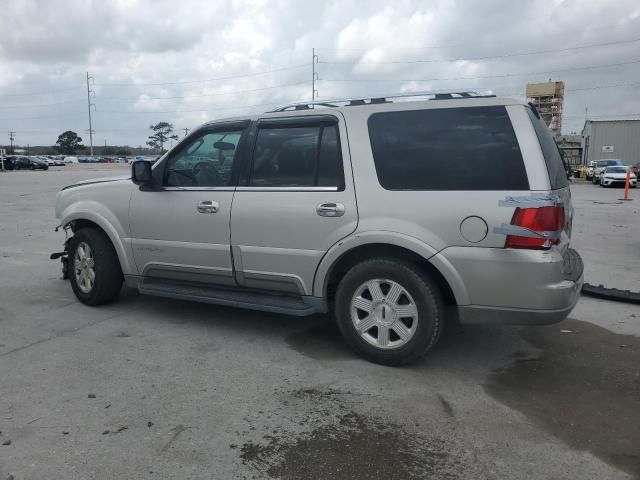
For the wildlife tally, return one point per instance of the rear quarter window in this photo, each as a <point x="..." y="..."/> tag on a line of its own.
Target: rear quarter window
<point x="473" y="148"/>
<point x="552" y="158"/>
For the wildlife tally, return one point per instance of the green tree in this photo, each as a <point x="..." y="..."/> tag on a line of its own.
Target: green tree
<point x="162" y="132"/>
<point x="68" y="142"/>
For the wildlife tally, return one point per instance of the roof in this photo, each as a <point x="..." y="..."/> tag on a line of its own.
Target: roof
<point x="390" y="102"/>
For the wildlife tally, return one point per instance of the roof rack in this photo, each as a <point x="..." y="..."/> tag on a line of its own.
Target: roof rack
<point x="377" y="99"/>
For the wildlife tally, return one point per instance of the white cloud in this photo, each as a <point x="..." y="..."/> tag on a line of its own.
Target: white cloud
<point x="155" y="56"/>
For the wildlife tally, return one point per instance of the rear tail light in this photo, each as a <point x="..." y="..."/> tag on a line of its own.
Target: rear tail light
<point x="541" y="227"/>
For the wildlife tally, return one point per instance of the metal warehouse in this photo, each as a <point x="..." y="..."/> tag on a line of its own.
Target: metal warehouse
<point x="612" y="138"/>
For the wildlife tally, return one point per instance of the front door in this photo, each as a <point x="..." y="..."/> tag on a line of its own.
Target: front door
<point x="296" y="200"/>
<point x="181" y="231"/>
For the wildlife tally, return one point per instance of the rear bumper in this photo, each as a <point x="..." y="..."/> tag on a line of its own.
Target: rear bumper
<point x="513" y="287"/>
<point x="482" y="315"/>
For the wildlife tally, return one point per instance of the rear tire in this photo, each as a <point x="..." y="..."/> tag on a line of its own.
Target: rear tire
<point x="94" y="268"/>
<point x="395" y="321"/>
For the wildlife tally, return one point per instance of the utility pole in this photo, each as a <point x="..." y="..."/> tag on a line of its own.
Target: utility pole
<point x="12" y="136"/>
<point x="186" y="131"/>
<point x="314" y="77"/>
<point x="89" y="104"/>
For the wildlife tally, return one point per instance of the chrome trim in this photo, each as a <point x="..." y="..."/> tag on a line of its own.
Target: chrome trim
<point x="287" y="189"/>
<point x="198" y="189"/>
<point x="519" y="231"/>
<point x="74" y="185"/>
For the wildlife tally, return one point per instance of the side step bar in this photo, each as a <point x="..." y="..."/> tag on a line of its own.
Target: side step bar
<point x="276" y="303"/>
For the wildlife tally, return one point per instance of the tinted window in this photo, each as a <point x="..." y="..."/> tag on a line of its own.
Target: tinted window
<point x="206" y="161"/>
<point x="555" y="166"/>
<point x="447" y="149"/>
<point x="305" y="156"/>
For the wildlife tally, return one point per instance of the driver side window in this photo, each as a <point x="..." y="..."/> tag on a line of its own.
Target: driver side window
<point x="207" y="161"/>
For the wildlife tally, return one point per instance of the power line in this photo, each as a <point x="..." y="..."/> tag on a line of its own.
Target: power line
<point x="6" y="107"/>
<point x="213" y="108"/>
<point x="232" y="92"/>
<point x="205" y="80"/>
<point x="579" y="89"/>
<point x="477" y="77"/>
<point x="30" y="94"/>
<point x="506" y="55"/>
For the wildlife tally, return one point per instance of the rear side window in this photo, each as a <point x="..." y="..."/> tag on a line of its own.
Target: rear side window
<point x="297" y="156"/>
<point x="447" y="149"/>
<point x="555" y="166"/>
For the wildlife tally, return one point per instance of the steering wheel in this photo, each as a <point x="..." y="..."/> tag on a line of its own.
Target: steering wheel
<point x="205" y="174"/>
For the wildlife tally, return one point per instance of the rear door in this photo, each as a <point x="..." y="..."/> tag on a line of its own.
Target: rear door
<point x="295" y="201"/>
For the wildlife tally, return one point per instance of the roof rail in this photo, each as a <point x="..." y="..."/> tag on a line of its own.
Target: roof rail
<point x="377" y="99"/>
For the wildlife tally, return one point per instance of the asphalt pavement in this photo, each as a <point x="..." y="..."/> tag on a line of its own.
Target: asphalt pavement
<point x="151" y="388"/>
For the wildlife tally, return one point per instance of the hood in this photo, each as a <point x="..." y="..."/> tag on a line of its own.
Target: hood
<point x="98" y="180"/>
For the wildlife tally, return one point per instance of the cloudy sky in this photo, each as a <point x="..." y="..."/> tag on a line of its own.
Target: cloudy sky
<point x="187" y="62"/>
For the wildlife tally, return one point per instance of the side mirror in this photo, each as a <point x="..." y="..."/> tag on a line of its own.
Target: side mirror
<point x="141" y="173"/>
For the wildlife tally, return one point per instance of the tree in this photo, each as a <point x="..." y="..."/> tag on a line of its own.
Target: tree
<point x="68" y="142"/>
<point x="161" y="134"/>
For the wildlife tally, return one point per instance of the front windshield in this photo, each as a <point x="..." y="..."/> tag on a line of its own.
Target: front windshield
<point x="616" y="170"/>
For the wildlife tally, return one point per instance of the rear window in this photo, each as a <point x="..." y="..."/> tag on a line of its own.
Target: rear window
<point x="555" y="167"/>
<point x="297" y="156"/>
<point x="447" y="149"/>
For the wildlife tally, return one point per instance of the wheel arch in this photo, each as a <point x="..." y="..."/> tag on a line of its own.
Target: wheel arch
<point x="352" y="250"/>
<point x="79" y="220"/>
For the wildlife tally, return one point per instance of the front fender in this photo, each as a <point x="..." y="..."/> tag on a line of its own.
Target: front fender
<point x="391" y="238"/>
<point x="107" y="221"/>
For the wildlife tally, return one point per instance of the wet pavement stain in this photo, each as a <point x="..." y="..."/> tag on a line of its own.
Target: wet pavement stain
<point x="583" y="388"/>
<point x="347" y="444"/>
<point x="320" y="342"/>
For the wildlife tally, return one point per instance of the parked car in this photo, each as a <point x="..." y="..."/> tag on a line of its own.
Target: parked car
<point x="58" y="161"/>
<point x="30" y="163"/>
<point x="283" y="212"/>
<point x="591" y="169"/>
<point x="70" y="159"/>
<point x="9" y="163"/>
<point x="601" y="165"/>
<point x="617" y="176"/>
<point x="636" y="169"/>
<point x="49" y="161"/>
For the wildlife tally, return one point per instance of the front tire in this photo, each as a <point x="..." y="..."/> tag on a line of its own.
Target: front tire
<point x="388" y="311"/>
<point x="94" y="268"/>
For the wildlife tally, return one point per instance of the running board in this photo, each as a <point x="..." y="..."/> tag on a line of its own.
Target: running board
<point x="276" y="303"/>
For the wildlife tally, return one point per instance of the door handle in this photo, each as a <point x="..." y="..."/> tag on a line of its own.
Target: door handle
<point x="330" y="209"/>
<point x="208" y="206"/>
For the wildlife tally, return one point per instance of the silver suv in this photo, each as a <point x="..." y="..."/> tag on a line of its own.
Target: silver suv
<point x="398" y="214"/>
